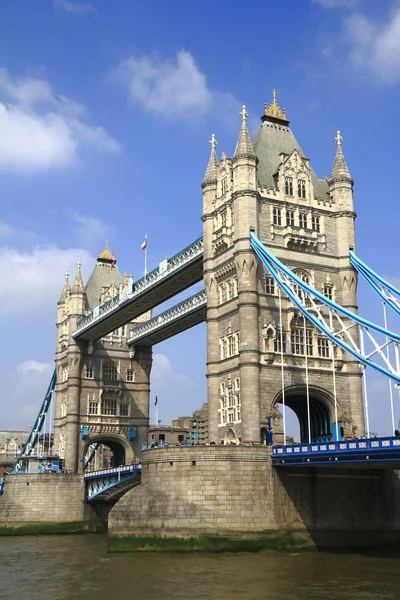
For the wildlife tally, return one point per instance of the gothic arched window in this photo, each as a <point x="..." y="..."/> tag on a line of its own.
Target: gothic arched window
<point x="110" y="371"/>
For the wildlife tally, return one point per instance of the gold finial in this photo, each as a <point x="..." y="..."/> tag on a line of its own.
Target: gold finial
<point x="273" y="110"/>
<point x="338" y="139"/>
<point x="213" y="142"/>
<point x="243" y="113"/>
<point x="106" y="254"/>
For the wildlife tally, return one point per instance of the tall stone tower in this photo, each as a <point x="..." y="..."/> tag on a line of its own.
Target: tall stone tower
<point x="102" y="391"/>
<point x="270" y="187"/>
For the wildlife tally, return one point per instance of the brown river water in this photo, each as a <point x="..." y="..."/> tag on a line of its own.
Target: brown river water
<point x="79" y="568"/>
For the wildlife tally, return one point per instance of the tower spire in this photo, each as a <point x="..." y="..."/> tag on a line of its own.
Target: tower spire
<point x="212" y="167"/>
<point x="340" y="171"/>
<point x="77" y="286"/>
<point x="66" y="289"/>
<point x="244" y="147"/>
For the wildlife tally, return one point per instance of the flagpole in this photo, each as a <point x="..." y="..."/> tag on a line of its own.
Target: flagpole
<point x="145" y="261"/>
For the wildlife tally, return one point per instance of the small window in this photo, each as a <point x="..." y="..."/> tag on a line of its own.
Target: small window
<point x="309" y="342"/>
<point x="290" y="218"/>
<point x="323" y="347"/>
<point x="124" y="409"/>
<point x="277" y="344"/>
<point x="269" y="285"/>
<point x="65" y="374"/>
<point x="328" y="291"/>
<point x="110" y="372"/>
<point x="161" y="437"/>
<point x="222" y="388"/>
<point x="303" y="220"/>
<point x="315" y="223"/>
<point x="89" y="372"/>
<point x="301" y="188"/>
<point x="277" y="216"/>
<point x="297" y="340"/>
<point x="231" y="345"/>
<point x="93" y="407"/>
<point x="109" y="406"/>
<point x="237" y="383"/>
<point x="130" y="375"/>
<point x="223" y="186"/>
<point x="223" y="218"/>
<point x="289" y="186"/>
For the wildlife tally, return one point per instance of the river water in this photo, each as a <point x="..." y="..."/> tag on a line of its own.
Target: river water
<point x="79" y="568"/>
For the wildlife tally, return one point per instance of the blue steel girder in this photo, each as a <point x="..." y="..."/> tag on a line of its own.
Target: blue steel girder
<point x="180" y="317"/>
<point x="34" y="433"/>
<point x="388" y="293"/>
<point x="108" y="484"/>
<point x="169" y="279"/>
<point x="341" y="326"/>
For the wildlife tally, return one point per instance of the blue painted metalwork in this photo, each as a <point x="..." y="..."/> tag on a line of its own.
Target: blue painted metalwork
<point x="1" y="485"/>
<point x="132" y="433"/>
<point x="367" y="450"/>
<point x="177" y="262"/>
<point x="39" y="422"/>
<point x="275" y="267"/>
<point x="85" y="432"/>
<point x="371" y="277"/>
<point x="177" y="312"/>
<point x="91" y="456"/>
<point x="105" y="484"/>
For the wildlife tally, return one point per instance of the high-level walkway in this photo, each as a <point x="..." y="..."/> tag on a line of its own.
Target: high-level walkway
<point x="171" y="277"/>
<point x="180" y="317"/>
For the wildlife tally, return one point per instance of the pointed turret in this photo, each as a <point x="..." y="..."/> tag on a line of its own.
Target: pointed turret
<point x="212" y="167"/>
<point x="77" y="287"/>
<point x="340" y="171"/>
<point x="65" y="293"/>
<point x="244" y="147"/>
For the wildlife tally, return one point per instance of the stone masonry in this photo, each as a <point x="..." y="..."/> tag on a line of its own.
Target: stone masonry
<point x="270" y="187"/>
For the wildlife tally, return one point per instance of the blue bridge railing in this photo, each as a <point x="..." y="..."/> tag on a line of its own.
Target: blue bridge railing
<point x="356" y="450"/>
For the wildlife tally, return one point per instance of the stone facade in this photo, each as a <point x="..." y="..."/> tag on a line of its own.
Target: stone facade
<point x="234" y="491"/>
<point x="269" y="187"/>
<point x="197" y="424"/>
<point x="102" y="392"/>
<point x="43" y="499"/>
<point x="170" y="434"/>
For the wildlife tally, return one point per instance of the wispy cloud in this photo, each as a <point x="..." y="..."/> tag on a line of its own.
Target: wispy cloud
<point x="173" y="89"/>
<point x="75" y="7"/>
<point x="40" y="130"/>
<point x="33" y="366"/>
<point x="375" y="47"/>
<point x="89" y="230"/>
<point x="336" y="3"/>
<point x="34" y="279"/>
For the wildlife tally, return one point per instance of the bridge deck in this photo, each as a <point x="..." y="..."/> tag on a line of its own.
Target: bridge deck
<point x="176" y="275"/>
<point x="184" y="315"/>
<point x="379" y="452"/>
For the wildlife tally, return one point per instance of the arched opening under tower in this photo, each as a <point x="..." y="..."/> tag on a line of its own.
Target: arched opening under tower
<point x="104" y="453"/>
<point x="315" y="424"/>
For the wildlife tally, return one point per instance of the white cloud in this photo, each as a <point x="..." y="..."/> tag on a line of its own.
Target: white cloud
<point x="75" y="6"/>
<point x="335" y="3"/>
<point x="89" y="230"/>
<point x="34" y="366"/>
<point x="162" y="374"/>
<point x="174" y="89"/>
<point x="32" y="281"/>
<point x="40" y="130"/>
<point x="375" y="46"/>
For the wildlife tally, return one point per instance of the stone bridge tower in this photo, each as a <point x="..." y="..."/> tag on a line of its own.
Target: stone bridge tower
<point x="270" y="187"/>
<point x="102" y="391"/>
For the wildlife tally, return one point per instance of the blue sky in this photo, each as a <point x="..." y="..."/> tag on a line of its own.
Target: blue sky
<point x="106" y="109"/>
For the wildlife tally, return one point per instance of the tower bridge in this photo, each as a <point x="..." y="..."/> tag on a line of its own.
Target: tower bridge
<point x="278" y="262"/>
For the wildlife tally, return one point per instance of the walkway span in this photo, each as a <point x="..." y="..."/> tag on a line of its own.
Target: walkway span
<point x="108" y="485"/>
<point x="183" y="316"/>
<point x="171" y="277"/>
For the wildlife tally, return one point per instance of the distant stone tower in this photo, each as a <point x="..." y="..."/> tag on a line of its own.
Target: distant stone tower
<point x="269" y="187"/>
<point x="102" y="391"/>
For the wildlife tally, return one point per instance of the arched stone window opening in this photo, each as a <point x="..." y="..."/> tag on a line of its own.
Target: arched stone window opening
<point x="230" y="436"/>
<point x="110" y="371"/>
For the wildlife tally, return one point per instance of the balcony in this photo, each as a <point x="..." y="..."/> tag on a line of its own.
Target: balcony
<point x="221" y="239"/>
<point x="298" y="238"/>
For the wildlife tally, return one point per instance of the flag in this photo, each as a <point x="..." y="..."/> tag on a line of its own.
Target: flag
<point x="144" y="245"/>
<point x="155" y="403"/>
